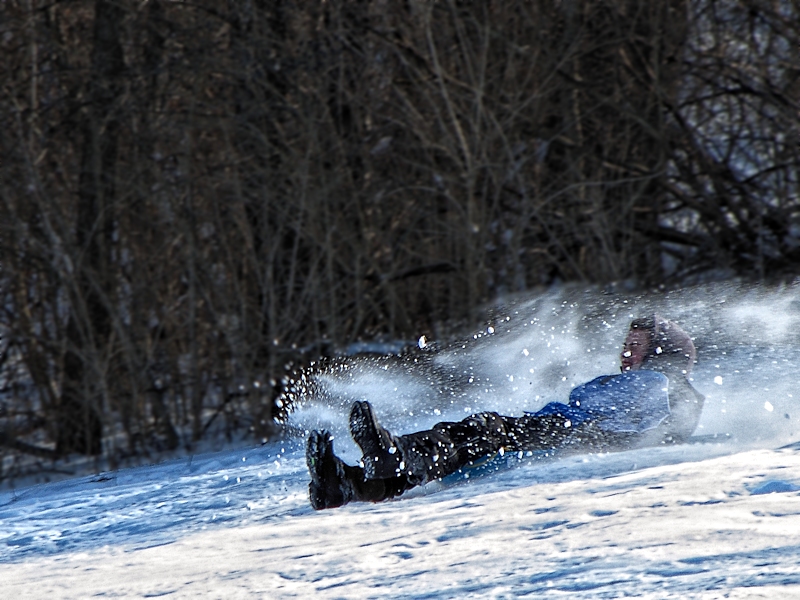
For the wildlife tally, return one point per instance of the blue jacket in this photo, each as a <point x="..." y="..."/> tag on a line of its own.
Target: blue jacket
<point x="631" y="402"/>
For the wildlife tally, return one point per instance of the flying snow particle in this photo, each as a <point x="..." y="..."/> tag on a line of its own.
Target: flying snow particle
<point x="525" y="351"/>
<point x="490" y="330"/>
<point x="422" y="342"/>
<point x="718" y="380"/>
<point x="768" y="406"/>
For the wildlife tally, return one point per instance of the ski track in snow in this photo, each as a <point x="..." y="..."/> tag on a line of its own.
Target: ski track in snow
<point x="705" y="520"/>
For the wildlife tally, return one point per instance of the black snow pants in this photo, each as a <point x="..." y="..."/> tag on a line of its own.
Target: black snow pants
<point x="449" y="446"/>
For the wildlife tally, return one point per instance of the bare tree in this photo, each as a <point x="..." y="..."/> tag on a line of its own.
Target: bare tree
<point x="194" y="195"/>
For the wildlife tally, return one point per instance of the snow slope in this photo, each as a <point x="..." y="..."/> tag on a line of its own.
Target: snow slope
<point x="706" y="520"/>
<point x="669" y="522"/>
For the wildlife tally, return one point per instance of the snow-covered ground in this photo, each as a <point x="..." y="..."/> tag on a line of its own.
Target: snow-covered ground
<point x="713" y="519"/>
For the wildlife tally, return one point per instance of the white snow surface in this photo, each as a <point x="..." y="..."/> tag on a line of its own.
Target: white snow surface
<point x="718" y="518"/>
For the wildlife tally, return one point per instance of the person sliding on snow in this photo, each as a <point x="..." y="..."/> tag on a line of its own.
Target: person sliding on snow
<point x="650" y="402"/>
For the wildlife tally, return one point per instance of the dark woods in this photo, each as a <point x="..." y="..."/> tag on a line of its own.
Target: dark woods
<point x="194" y="194"/>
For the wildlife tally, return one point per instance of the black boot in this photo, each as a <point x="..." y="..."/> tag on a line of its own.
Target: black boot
<point x="330" y="485"/>
<point x="381" y="457"/>
<point x="426" y="455"/>
<point x="334" y="483"/>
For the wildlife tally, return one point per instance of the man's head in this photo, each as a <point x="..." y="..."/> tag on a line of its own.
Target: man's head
<point x="657" y="344"/>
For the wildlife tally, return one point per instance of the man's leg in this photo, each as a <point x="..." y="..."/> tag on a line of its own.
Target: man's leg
<point x="539" y="432"/>
<point x="449" y="446"/>
<point x="426" y="455"/>
<point x="334" y="483"/>
<point x="562" y="431"/>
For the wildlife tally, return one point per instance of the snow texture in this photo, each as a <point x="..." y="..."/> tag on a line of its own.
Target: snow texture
<point x="712" y="519"/>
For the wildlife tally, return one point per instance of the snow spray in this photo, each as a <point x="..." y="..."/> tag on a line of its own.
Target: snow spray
<point x="534" y="349"/>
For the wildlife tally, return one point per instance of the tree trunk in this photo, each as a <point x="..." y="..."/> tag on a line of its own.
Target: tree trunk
<point x="79" y="423"/>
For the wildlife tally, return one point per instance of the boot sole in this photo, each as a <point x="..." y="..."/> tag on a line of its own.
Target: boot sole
<point x="324" y="489"/>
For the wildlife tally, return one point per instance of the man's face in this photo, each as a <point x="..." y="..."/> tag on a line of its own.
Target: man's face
<point x="634" y="350"/>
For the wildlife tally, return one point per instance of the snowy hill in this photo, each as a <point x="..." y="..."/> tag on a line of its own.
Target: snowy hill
<point x="689" y="522"/>
<point x="714" y="519"/>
